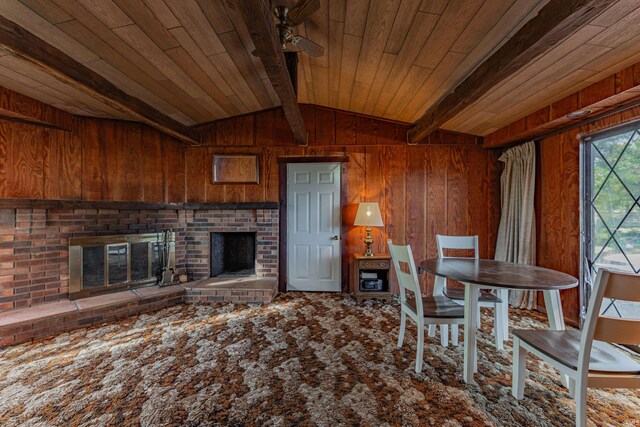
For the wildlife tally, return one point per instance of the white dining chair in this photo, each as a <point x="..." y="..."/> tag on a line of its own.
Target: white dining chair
<point x="500" y="303"/>
<point x="587" y="357"/>
<point x="423" y="311"/>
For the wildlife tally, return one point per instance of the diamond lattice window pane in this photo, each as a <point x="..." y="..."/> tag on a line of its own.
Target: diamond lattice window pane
<point x="600" y="170"/>
<point x="600" y="236"/>
<point x="612" y="146"/>
<point x="613" y="258"/>
<point x="628" y="235"/>
<point x="627" y="167"/>
<point x="613" y="202"/>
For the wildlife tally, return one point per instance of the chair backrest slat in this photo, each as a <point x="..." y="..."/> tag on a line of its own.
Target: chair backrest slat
<point x="406" y="280"/>
<point x="452" y="242"/>
<point x="616" y="330"/>
<point x="624" y="287"/>
<point x="456" y="242"/>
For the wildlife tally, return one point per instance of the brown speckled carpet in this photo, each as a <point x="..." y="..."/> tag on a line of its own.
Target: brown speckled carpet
<point x="306" y="359"/>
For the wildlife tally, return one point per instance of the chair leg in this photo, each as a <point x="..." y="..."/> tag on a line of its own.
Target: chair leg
<point x="519" y="369"/>
<point x="432" y="331"/>
<point x="454" y="335"/>
<point x="581" y="404"/>
<point x="572" y="388"/>
<point x="498" y="330"/>
<point x="403" y="325"/>
<point x="478" y="317"/>
<point x="420" y="349"/>
<point x="444" y="335"/>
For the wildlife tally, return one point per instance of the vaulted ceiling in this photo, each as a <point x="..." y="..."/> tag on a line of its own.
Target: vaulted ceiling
<point x="192" y="61"/>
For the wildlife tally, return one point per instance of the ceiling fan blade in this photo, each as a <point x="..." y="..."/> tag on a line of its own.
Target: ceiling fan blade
<point x="301" y="11"/>
<point x="307" y="46"/>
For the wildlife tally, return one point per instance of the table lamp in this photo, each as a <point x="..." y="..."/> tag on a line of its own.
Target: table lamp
<point x="368" y="215"/>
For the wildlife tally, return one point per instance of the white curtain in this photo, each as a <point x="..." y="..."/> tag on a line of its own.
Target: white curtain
<point x="517" y="232"/>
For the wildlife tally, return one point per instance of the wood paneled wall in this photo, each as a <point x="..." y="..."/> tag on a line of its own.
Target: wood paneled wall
<point x="97" y="160"/>
<point x="448" y="184"/>
<point x="558" y="202"/>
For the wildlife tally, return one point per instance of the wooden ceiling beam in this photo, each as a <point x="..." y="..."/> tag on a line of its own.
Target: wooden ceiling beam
<point x="556" y="21"/>
<point x="26" y="45"/>
<point x="258" y="18"/>
<point x="616" y="92"/>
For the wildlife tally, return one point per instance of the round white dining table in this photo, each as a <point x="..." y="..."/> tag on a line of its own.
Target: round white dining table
<point x="502" y="276"/>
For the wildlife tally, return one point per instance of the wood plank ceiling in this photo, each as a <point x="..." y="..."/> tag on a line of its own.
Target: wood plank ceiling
<point x="609" y="44"/>
<point x="191" y="60"/>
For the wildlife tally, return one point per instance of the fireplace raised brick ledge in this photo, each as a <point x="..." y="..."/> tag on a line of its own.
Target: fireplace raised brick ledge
<point x="34" y="262"/>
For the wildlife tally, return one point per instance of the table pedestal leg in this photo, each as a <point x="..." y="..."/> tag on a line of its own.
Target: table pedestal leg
<point x="470" y="326"/>
<point x="554" y="310"/>
<point x="553" y="304"/>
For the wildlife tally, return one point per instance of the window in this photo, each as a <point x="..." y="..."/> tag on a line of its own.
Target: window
<point x="611" y="215"/>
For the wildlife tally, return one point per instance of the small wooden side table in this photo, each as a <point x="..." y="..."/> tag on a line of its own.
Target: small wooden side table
<point x="379" y="266"/>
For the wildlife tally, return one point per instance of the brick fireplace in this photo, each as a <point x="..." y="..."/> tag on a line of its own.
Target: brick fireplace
<point x="34" y="261"/>
<point x="34" y="242"/>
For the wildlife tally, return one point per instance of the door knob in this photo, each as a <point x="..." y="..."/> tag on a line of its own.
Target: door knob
<point x="335" y="237"/>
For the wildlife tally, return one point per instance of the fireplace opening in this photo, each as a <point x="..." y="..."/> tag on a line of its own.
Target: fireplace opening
<point x="233" y="254"/>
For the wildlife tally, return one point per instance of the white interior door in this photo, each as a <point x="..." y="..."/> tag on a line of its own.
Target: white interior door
<point x="313" y="227"/>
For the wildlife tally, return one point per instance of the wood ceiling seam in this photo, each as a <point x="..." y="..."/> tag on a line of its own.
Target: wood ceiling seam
<point x="199" y="57"/>
<point x="399" y="100"/>
<point x="217" y="13"/>
<point x="456" y="16"/>
<point x="394" y="46"/>
<point x="190" y="15"/>
<point x="420" y="31"/>
<point x="384" y="69"/>
<point x="139" y="13"/>
<point x="136" y="39"/>
<point x="353" y="11"/>
<point x="232" y="43"/>
<point x="245" y="47"/>
<point x="512" y="113"/>
<point x="336" y="39"/>
<point x="162" y="12"/>
<point x="615" y="34"/>
<point x="225" y="66"/>
<point x="107" y="12"/>
<point x="348" y="74"/>
<point x="172" y="96"/>
<point x="47" y="10"/>
<point x="182" y="58"/>
<point x="377" y="31"/>
<point x="551" y="74"/>
<point x="523" y="75"/>
<point x="32" y="21"/>
<point x="458" y="44"/>
<point x="415" y="104"/>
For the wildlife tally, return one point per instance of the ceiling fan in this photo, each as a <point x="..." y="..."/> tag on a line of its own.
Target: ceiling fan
<point x="289" y="18"/>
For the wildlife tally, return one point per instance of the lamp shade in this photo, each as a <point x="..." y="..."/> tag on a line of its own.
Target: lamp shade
<point x="368" y="215"/>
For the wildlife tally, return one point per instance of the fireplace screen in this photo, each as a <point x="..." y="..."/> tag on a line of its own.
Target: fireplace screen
<point x="108" y="263"/>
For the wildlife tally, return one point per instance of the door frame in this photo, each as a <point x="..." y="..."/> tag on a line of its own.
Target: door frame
<point x="344" y="227"/>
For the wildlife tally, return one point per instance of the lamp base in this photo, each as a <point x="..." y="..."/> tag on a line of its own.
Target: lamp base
<point x="368" y="241"/>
